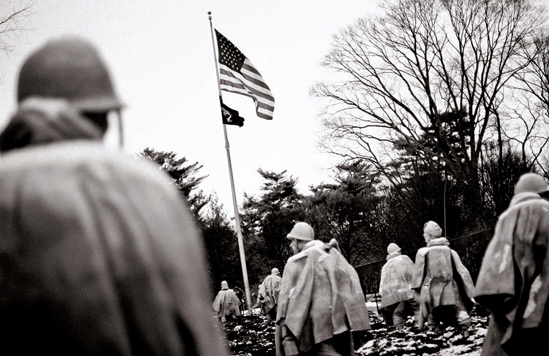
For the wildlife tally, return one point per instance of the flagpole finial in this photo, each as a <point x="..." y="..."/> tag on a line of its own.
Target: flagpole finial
<point x="210" y="15"/>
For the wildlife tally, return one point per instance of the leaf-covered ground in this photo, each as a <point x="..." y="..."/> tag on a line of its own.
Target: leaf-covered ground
<point x="383" y="341"/>
<point x="251" y="335"/>
<point x="254" y="336"/>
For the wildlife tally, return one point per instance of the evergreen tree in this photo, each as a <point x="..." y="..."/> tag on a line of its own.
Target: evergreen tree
<point x="346" y="212"/>
<point x="221" y="246"/>
<point x="267" y="220"/>
<point x="184" y="177"/>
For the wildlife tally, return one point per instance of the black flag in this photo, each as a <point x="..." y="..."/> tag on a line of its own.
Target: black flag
<point x="230" y="116"/>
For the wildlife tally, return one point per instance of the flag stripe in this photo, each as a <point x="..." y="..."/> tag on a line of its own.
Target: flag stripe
<point x="230" y="79"/>
<point x="233" y="84"/>
<point x="252" y="78"/>
<point x="243" y="78"/>
<point x="251" y="83"/>
<point x="250" y="67"/>
<point x="260" y="106"/>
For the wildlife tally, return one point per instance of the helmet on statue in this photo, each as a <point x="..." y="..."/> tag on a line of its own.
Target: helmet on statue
<point x="302" y="231"/>
<point x="69" y="68"/>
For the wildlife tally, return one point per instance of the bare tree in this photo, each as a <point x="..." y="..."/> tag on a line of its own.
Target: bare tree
<point x="534" y="83"/>
<point x="400" y="72"/>
<point x="14" y="16"/>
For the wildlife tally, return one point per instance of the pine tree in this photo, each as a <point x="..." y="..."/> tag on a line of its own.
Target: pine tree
<point x="184" y="177"/>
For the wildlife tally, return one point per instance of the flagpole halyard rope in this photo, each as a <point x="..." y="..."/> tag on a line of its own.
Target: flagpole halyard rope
<point x="235" y="205"/>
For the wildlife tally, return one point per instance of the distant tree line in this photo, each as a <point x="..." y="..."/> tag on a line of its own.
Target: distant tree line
<point x="361" y="210"/>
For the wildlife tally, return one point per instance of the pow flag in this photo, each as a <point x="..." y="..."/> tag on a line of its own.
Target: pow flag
<point x="238" y="75"/>
<point x="230" y="116"/>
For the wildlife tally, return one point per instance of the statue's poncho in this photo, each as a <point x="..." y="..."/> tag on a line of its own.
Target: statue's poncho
<point x="321" y="296"/>
<point x="98" y="256"/>
<point x="226" y="303"/>
<point x="396" y="279"/>
<point x="269" y="291"/>
<point x="513" y="282"/>
<point x="440" y="278"/>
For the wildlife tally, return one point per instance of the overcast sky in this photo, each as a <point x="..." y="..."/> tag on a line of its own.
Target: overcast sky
<point x="161" y="59"/>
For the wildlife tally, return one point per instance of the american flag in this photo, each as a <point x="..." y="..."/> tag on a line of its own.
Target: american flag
<point x="238" y="75"/>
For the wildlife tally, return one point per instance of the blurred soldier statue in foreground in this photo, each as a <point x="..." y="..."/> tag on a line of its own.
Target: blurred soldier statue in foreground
<point x="98" y="253"/>
<point x="321" y="300"/>
<point x="226" y="303"/>
<point x="444" y="284"/>
<point x="268" y="293"/>
<point x="397" y="297"/>
<point x="513" y="282"/>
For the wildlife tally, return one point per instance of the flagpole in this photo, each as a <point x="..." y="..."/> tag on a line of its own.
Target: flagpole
<point x="235" y="205"/>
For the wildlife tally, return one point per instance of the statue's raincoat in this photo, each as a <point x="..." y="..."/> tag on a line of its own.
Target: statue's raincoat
<point x="226" y="303"/>
<point x="440" y="278"/>
<point x="321" y="296"/>
<point x="396" y="279"/>
<point x="98" y="256"/>
<point x="269" y="291"/>
<point x="513" y="282"/>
